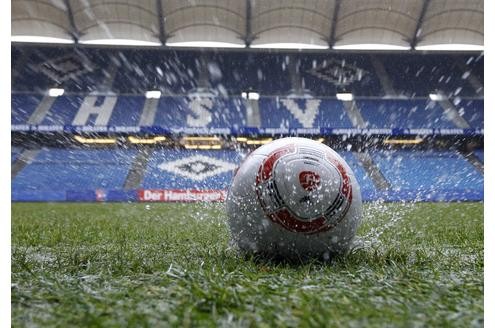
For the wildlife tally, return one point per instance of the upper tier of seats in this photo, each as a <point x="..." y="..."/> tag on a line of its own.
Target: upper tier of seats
<point x="414" y="75"/>
<point x="133" y="71"/>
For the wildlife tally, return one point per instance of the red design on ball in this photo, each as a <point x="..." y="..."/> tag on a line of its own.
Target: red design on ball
<point x="309" y="180"/>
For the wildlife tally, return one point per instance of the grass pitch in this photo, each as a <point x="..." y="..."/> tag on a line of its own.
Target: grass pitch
<point x="112" y="265"/>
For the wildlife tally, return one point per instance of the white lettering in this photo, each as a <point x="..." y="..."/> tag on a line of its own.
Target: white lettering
<point x="150" y="195"/>
<point x="102" y="111"/>
<point x="305" y="116"/>
<point x="201" y="115"/>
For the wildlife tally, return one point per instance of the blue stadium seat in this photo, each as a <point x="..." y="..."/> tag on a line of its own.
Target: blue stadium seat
<point x="430" y="175"/>
<point x="142" y="70"/>
<point x="476" y="64"/>
<point x="387" y="113"/>
<point x="29" y="77"/>
<point x="14" y="153"/>
<point x="275" y="113"/>
<point x="55" y="171"/>
<point x="480" y="154"/>
<point x="127" y="111"/>
<point x="234" y="73"/>
<point x="271" y="76"/>
<point x="418" y="76"/>
<point x="23" y="106"/>
<point x="190" y="169"/>
<point x="76" y="70"/>
<point x="177" y="72"/>
<point x="63" y="110"/>
<point x="368" y="189"/>
<point x="472" y="112"/>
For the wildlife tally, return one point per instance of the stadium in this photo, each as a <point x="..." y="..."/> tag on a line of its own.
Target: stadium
<point x="130" y="118"/>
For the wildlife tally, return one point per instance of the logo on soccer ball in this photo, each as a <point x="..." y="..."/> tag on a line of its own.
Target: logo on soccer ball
<point x="322" y="199"/>
<point x="309" y="180"/>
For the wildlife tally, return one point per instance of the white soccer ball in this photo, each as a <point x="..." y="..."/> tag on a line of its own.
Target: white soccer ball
<point x="294" y="198"/>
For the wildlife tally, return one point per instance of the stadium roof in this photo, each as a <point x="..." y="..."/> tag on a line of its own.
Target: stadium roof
<point x="299" y="24"/>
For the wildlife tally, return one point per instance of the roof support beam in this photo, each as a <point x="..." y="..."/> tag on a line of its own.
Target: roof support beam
<point x="417" y="30"/>
<point x="336" y="9"/>
<point x="161" y="25"/>
<point x="73" y="28"/>
<point x="249" y="37"/>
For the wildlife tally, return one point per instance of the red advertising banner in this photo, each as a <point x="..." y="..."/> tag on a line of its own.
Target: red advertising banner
<point x="180" y="195"/>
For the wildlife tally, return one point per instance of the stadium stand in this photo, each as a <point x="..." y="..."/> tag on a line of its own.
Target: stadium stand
<point x="63" y="110"/>
<point x="475" y="64"/>
<point x="324" y="75"/>
<point x="127" y="111"/>
<point x="368" y="189"/>
<point x="429" y="175"/>
<point x="190" y="169"/>
<point x="113" y="110"/>
<point x="23" y="106"/>
<point x="398" y="113"/>
<point x="472" y="111"/>
<point x="46" y="67"/>
<point x="127" y="74"/>
<point x="233" y="73"/>
<point x="480" y="154"/>
<point x="14" y="153"/>
<point x="418" y="76"/>
<point x="302" y="113"/>
<point x="56" y="172"/>
<point x="138" y="71"/>
<point x="172" y="112"/>
<point x="181" y="112"/>
<point x="218" y="112"/>
<point x="201" y="89"/>
<point x="178" y="72"/>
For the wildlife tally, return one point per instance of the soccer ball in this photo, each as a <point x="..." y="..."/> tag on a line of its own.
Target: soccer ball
<point x="294" y="198"/>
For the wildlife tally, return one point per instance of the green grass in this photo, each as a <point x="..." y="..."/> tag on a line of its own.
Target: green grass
<point x="113" y="265"/>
